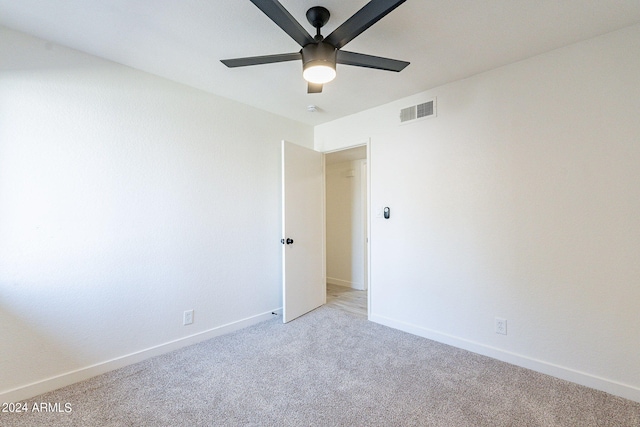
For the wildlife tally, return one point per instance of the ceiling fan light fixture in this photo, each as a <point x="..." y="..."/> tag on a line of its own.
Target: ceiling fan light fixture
<point x="319" y="63"/>
<point x="318" y="73"/>
<point x="321" y="54"/>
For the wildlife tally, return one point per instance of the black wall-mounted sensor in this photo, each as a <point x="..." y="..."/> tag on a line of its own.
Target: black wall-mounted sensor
<point x="387" y="213"/>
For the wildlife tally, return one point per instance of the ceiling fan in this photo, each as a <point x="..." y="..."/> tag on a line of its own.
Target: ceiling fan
<point x="321" y="54"/>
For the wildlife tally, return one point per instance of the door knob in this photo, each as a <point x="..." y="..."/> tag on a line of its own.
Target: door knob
<point x="288" y="241"/>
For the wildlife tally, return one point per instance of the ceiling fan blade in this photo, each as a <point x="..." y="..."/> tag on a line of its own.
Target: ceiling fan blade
<point x="314" y="87"/>
<point x="371" y="13"/>
<point x="370" y="61"/>
<point x="257" y="60"/>
<point x="283" y="19"/>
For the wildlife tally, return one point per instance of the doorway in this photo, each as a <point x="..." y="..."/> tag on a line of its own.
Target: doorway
<point x="346" y="217"/>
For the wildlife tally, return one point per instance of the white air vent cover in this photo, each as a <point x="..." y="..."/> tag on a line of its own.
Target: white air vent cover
<point x="416" y="112"/>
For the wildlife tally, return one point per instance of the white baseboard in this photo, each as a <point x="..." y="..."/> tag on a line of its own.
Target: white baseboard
<point x="63" y="380"/>
<point x="613" y="387"/>
<point x="346" y="283"/>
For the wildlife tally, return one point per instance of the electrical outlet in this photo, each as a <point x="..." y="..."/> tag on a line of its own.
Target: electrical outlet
<point x="501" y="326"/>
<point x="187" y="317"/>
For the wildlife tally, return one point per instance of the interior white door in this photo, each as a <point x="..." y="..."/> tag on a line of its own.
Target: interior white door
<point x="303" y="270"/>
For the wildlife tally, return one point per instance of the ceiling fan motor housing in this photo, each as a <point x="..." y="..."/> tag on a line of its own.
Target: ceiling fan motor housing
<point x="320" y="53"/>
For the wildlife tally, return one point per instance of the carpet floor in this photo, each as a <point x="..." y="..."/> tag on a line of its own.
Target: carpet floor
<point x="327" y="368"/>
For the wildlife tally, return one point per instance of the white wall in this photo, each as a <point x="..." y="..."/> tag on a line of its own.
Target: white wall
<point x="345" y="204"/>
<point x="519" y="200"/>
<point x="126" y="199"/>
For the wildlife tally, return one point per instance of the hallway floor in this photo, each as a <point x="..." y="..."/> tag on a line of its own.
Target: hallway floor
<point x="347" y="299"/>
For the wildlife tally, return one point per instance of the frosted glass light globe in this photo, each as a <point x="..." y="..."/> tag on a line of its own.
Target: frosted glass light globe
<point x="319" y="74"/>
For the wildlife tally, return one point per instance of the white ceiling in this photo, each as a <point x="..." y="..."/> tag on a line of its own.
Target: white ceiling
<point x="444" y="40"/>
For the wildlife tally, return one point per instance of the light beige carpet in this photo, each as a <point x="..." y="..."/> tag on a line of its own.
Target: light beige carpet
<point x="328" y="368"/>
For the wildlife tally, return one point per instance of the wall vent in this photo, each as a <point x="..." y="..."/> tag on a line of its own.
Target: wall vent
<point x="417" y="112"/>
